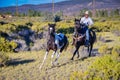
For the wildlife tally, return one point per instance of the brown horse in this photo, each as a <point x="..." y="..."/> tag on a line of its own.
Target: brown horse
<point x="55" y="42"/>
<point x="79" y="39"/>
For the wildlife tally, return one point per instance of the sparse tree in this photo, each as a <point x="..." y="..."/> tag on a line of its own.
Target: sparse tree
<point x="116" y="12"/>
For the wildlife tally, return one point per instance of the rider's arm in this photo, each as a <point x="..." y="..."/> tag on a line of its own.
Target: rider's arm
<point x="90" y="22"/>
<point x="82" y="20"/>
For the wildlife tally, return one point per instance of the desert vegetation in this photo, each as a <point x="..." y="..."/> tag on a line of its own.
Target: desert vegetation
<point x="23" y="41"/>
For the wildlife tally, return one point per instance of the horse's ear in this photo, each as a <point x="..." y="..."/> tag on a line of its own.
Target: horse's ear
<point x="75" y="19"/>
<point x="54" y="25"/>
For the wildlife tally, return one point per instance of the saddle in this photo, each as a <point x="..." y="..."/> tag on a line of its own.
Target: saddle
<point x="60" y="38"/>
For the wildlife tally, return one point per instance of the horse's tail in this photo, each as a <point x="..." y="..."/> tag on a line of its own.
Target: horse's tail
<point x="66" y="46"/>
<point x="66" y="43"/>
<point x="93" y="35"/>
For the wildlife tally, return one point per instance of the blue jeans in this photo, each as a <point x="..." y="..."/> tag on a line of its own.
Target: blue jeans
<point x="85" y="30"/>
<point x="87" y="34"/>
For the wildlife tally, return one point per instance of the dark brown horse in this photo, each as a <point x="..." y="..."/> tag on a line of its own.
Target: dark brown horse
<point x="55" y="42"/>
<point x="79" y="39"/>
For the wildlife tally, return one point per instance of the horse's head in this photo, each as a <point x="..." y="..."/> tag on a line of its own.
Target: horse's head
<point x="77" y="26"/>
<point x="77" y="23"/>
<point x="51" y="28"/>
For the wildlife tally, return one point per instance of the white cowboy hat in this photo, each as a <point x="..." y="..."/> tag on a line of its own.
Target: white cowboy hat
<point x="86" y="12"/>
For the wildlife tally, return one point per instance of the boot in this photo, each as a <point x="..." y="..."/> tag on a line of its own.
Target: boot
<point x="87" y="43"/>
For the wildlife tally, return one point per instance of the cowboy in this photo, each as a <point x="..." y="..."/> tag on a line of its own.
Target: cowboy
<point x="86" y="21"/>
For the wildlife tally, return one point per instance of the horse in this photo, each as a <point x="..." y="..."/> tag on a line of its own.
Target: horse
<point x="79" y="39"/>
<point x="55" y="42"/>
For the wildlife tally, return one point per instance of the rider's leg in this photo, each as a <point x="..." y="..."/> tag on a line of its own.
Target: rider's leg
<point x="87" y="34"/>
<point x="87" y="37"/>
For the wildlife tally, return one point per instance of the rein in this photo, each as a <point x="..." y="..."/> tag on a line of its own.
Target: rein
<point x="79" y="37"/>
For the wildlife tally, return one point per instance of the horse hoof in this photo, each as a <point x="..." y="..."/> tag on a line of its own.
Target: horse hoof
<point x="53" y="66"/>
<point x="57" y="63"/>
<point x="71" y="59"/>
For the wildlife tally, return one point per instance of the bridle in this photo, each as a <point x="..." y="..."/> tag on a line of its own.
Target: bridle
<point x="78" y="36"/>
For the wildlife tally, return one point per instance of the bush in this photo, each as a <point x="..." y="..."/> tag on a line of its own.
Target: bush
<point x="6" y="46"/>
<point x="103" y="68"/>
<point x="103" y="49"/>
<point x="66" y="28"/>
<point x="57" y="18"/>
<point x="38" y="27"/>
<point x="107" y="26"/>
<point x="76" y="76"/>
<point x="7" y="28"/>
<point x="116" y="51"/>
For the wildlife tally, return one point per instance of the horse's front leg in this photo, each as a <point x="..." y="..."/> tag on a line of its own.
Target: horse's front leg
<point x="57" y="57"/>
<point x="52" y="56"/>
<point x="74" y="54"/>
<point x="77" y="48"/>
<point x="43" y="60"/>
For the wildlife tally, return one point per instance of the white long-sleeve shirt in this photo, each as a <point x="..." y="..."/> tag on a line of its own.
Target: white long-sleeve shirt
<point x="87" y="21"/>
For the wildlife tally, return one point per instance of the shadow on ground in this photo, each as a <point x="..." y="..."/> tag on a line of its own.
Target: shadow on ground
<point x="94" y="52"/>
<point x="16" y="62"/>
<point x="107" y="41"/>
<point x="68" y="62"/>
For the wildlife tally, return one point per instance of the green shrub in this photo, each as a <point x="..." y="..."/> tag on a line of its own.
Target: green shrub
<point x="76" y="76"/>
<point x="6" y="46"/>
<point x="38" y="27"/>
<point x="107" y="26"/>
<point x="116" y="51"/>
<point x="57" y="18"/>
<point x="64" y="27"/>
<point x="103" y="68"/>
<point x="103" y="49"/>
<point x="7" y="28"/>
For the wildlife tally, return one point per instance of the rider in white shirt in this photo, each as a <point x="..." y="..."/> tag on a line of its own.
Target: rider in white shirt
<point x="87" y="21"/>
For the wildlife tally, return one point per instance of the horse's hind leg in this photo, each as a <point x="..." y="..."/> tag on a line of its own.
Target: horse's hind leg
<point x="78" y="54"/>
<point x="91" y="47"/>
<point x="58" y="54"/>
<point x="88" y="50"/>
<point x="57" y="57"/>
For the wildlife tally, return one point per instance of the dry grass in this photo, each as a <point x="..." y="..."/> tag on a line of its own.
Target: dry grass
<point x="25" y="65"/>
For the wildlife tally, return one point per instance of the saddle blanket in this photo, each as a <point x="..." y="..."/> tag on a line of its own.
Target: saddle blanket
<point x="59" y="37"/>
